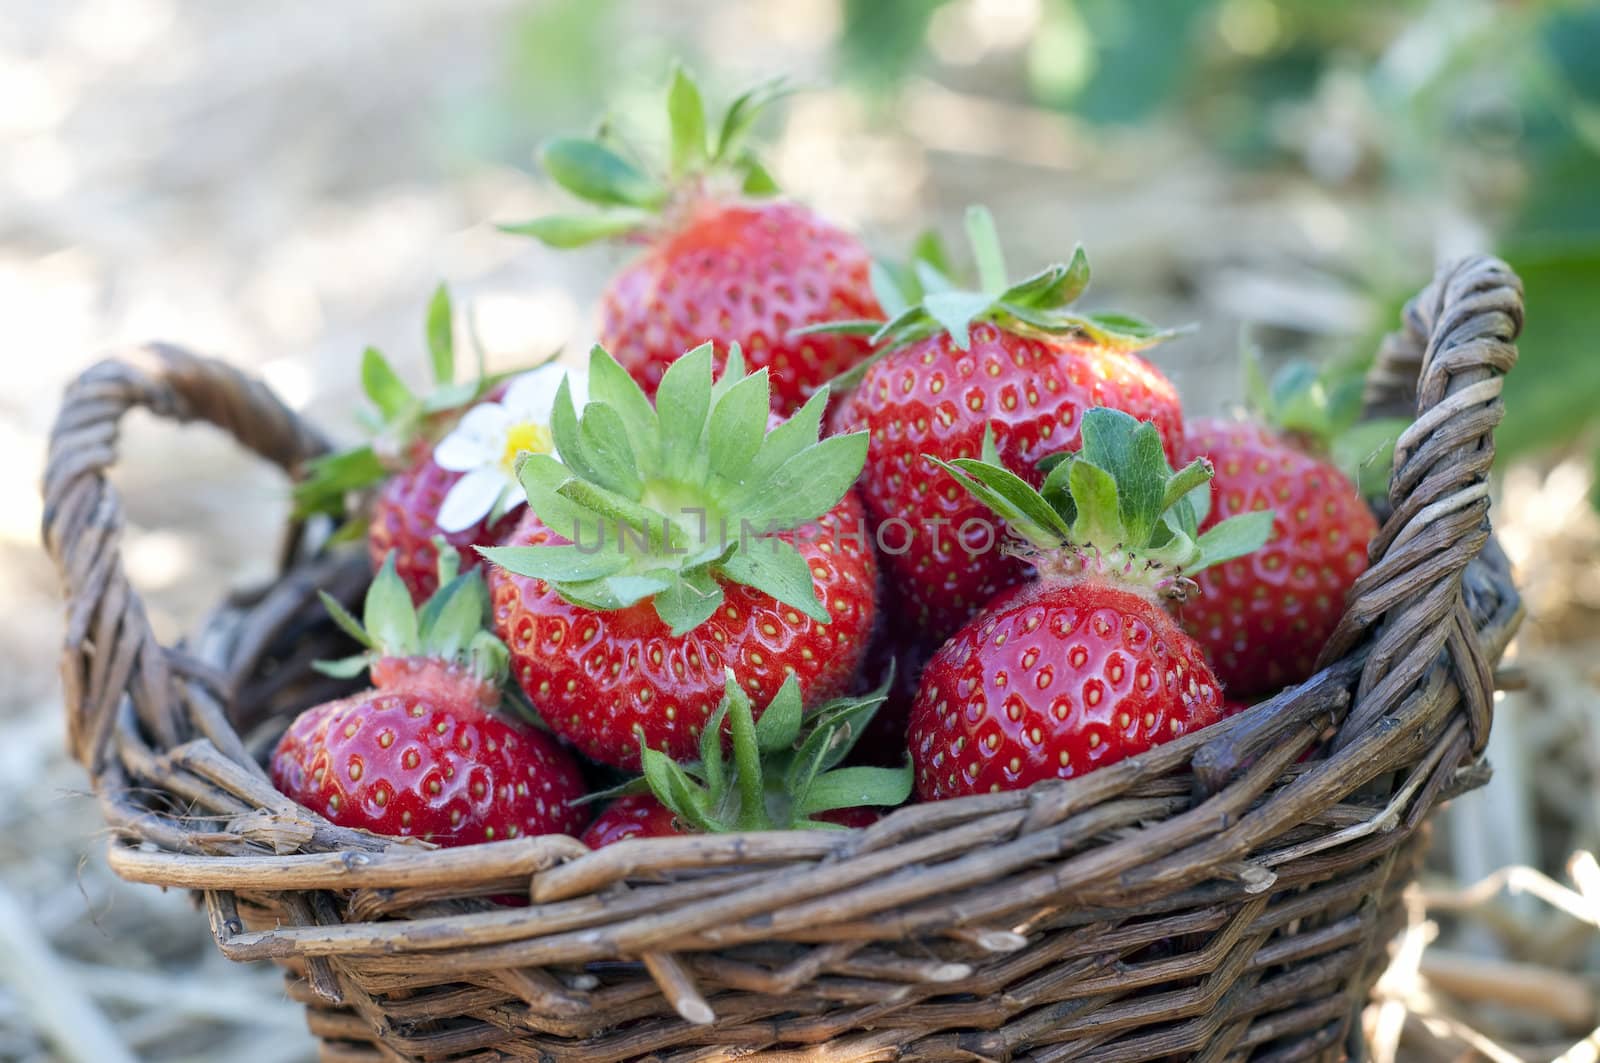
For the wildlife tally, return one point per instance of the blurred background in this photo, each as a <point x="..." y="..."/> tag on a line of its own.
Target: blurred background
<point x="281" y="184"/>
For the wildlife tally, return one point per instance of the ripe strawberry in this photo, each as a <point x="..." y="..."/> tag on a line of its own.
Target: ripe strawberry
<point x="1082" y="667"/>
<point x="1011" y="360"/>
<point x="423" y="753"/>
<point x="677" y="541"/>
<point x="1264" y="618"/>
<point x="783" y="775"/>
<point x="405" y="523"/>
<point x="719" y="263"/>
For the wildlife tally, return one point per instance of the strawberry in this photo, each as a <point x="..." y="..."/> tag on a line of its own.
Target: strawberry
<point x="784" y="774"/>
<point x="405" y="524"/>
<point x="677" y="541"/>
<point x="1263" y="619"/>
<point x="1008" y="358"/>
<point x="423" y="752"/>
<point x="1083" y="666"/>
<point x="719" y="262"/>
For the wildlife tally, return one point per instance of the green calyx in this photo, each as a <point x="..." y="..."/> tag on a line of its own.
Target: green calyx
<point x="784" y="771"/>
<point x="450" y="626"/>
<point x="398" y="417"/>
<point x="921" y="300"/>
<point x="1320" y="408"/>
<point x="664" y="503"/>
<point x="632" y="190"/>
<point x="1114" y="509"/>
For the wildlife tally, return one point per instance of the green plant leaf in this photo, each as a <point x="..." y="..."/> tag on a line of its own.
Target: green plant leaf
<point x="331" y="477"/>
<point x="346" y="623"/>
<point x="557" y="564"/>
<point x="389" y="617"/>
<point x="688" y="602"/>
<point x="743" y="112"/>
<point x="887" y="290"/>
<point x="955" y="311"/>
<point x="673" y="788"/>
<point x="789" y="438"/>
<point x="343" y="668"/>
<point x="985" y="240"/>
<point x="441" y="337"/>
<point x="738" y="425"/>
<point x="1094" y="492"/>
<point x="1234" y="537"/>
<point x="746" y="756"/>
<point x="384" y="387"/>
<point x="1130" y="450"/>
<point x="682" y="402"/>
<point x="713" y="768"/>
<point x="779" y="724"/>
<point x="449" y="627"/>
<point x="576" y="230"/>
<point x="775" y="567"/>
<point x="686" y="117"/>
<point x="610" y="384"/>
<point x="605" y="442"/>
<point x="1365" y="452"/>
<point x="855" y="787"/>
<point x="805" y="486"/>
<point x="592" y="171"/>
<point x="1010" y="497"/>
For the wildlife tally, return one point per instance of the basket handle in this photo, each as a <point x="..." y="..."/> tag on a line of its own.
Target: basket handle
<point x="109" y="648"/>
<point x="1445" y="366"/>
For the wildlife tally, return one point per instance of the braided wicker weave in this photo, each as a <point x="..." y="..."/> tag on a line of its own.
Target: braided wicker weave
<point x="1214" y="898"/>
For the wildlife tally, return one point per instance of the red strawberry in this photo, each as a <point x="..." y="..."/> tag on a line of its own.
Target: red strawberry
<point x="783" y="774"/>
<point x="1264" y="618"/>
<point x="702" y="542"/>
<point x="719" y="264"/>
<point x="423" y="753"/>
<point x="1012" y="361"/>
<point x="405" y="523"/>
<point x="1082" y="667"/>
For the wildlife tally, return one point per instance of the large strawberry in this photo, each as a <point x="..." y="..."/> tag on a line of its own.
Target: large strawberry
<point x="1011" y="358"/>
<point x="676" y="541"/>
<point x="1264" y="618"/>
<point x="721" y="262"/>
<point x="424" y="753"/>
<point x="784" y="774"/>
<point x="1083" y="666"/>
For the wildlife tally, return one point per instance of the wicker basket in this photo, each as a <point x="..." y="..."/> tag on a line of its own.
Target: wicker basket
<point x="1217" y="897"/>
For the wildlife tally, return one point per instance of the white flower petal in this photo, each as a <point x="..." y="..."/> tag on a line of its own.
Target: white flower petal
<point x="532" y="396"/>
<point x="479" y="438"/>
<point x="471" y="499"/>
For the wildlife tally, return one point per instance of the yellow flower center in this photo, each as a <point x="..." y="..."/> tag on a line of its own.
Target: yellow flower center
<point x="528" y="436"/>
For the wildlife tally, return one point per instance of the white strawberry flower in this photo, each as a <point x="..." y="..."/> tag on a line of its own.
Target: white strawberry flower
<point x="486" y="442"/>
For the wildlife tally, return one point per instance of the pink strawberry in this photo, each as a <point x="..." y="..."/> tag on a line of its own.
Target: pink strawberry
<point x="423" y="753"/>
<point x="1083" y="667"/>
<point x="719" y="262"/>
<point x="692" y="540"/>
<point x="1009" y="360"/>
<point x="405" y="523"/>
<point x="1263" y="618"/>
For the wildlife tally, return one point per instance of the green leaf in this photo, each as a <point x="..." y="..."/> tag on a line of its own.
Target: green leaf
<point x="343" y="668"/>
<point x="686" y="115"/>
<point x="605" y="443"/>
<point x="757" y="180"/>
<point x="347" y="623"/>
<point x="541" y="477"/>
<point x="857" y="787"/>
<point x="389" y="616"/>
<point x="779" y="724"/>
<point x="841" y="723"/>
<point x="955" y="311"/>
<point x="384" y="387"/>
<point x="1057" y="487"/>
<point x="986" y="249"/>
<point x="742" y="113"/>
<point x="738" y="426"/>
<point x="688" y="602"/>
<point x="331" y="477"/>
<point x="805" y="486"/>
<point x="592" y="171"/>
<point x="564" y="431"/>
<point x="789" y="438"/>
<point x="575" y="230"/>
<point x="682" y="402"/>
<point x="1130" y="450"/>
<point x="887" y="290"/>
<point x="1185" y="481"/>
<point x="441" y="338"/>
<point x="565" y="564"/>
<point x="1123" y="332"/>
<point x="619" y="510"/>
<point x="1234" y="537"/>
<point x="929" y="248"/>
<point x="458" y="619"/>
<point x="1094" y="492"/>
<point x="1011" y="498"/>
<point x="746" y="757"/>
<point x="673" y="788"/>
<point x="712" y="765"/>
<point x="1365" y="452"/>
<point x="775" y="567"/>
<point x="610" y="384"/>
